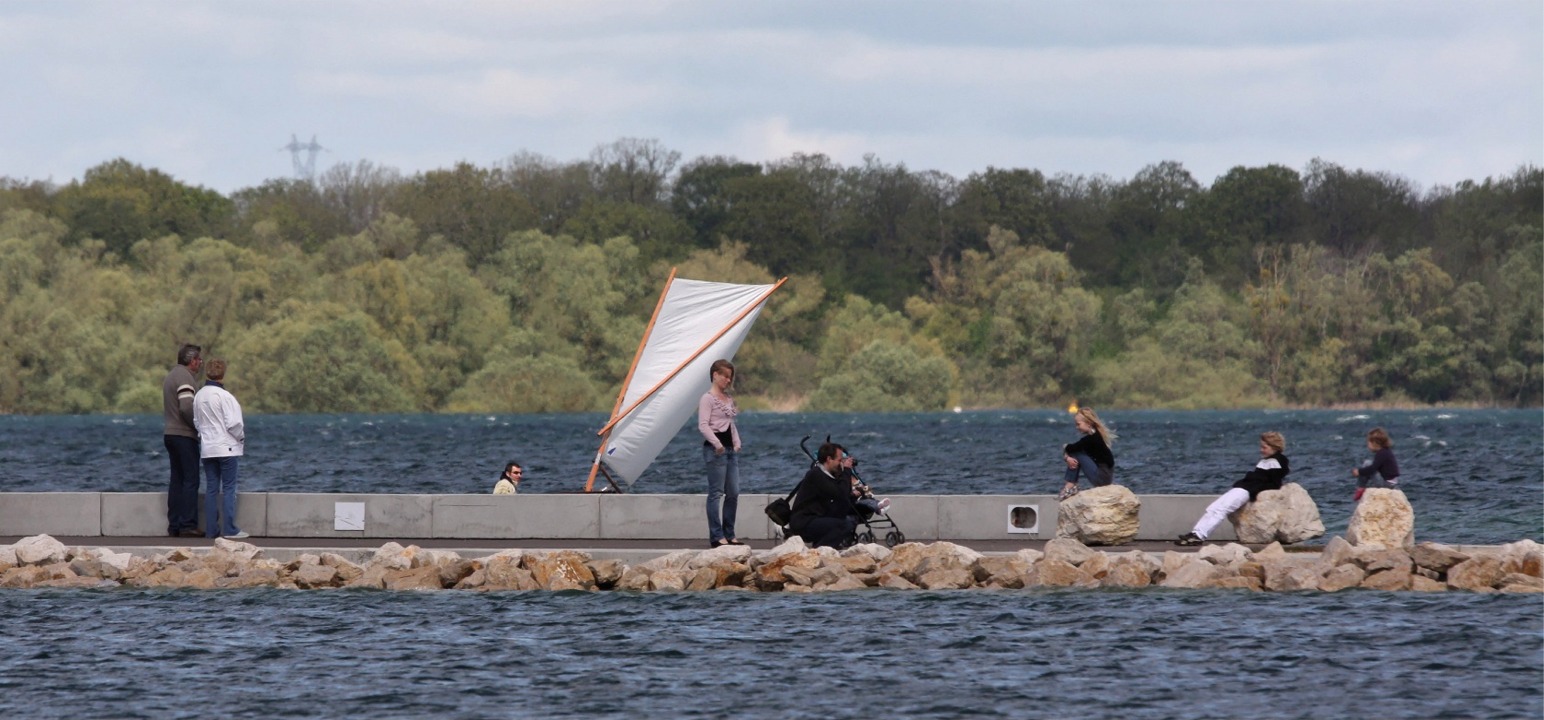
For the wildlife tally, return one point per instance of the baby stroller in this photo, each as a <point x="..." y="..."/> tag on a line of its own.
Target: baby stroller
<point x="871" y="520"/>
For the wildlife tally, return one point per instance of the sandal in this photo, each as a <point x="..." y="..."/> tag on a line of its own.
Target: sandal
<point x="719" y="543"/>
<point x="735" y="541"/>
<point x="1068" y="492"/>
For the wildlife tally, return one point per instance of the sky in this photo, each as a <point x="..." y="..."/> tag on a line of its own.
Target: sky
<point x="209" y="92"/>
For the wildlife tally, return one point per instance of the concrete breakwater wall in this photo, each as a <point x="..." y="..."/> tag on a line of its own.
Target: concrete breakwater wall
<point x="596" y="516"/>
<point x="42" y="561"/>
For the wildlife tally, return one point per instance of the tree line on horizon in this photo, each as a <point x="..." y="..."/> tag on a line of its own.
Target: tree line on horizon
<point x="524" y="286"/>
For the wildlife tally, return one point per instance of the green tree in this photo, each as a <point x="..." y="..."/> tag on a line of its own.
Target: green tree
<point x="871" y="361"/>
<point x="324" y="358"/>
<point x="591" y="297"/>
<point x="121" y="203"/>
<point x="700" y="196"/>
<point x="471" y="207"/>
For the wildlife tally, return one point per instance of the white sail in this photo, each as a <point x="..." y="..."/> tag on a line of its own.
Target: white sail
<point x="696" y="323"/>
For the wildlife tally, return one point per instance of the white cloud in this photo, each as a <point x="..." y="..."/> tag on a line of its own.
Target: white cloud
<point x="1435" y="91"/>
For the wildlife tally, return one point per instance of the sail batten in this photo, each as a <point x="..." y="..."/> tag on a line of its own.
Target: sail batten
<point x="695" y="323"/>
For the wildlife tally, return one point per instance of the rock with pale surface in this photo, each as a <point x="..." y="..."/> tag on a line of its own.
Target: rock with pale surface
<point x="419" y="578"/>
<point x="39" y="550"/>
<point x="560" y="570"/>
<point x="393" y="556"/>
<point x="1195" y="573"/>
<point x="315" y="576"/>
<point x="1229" y="555"/>
<point x="1524" y="556"/>
<point x="1100" y="516"/>
<point x="1436" y="556"/>
<point x="1382" y="517"/>
<point x="1479" y="574"/>
<point x="607" y="572"/>
<point x="1007" y="571"/>
<point x="1125" y="573"/>
<point x="1287" y="515"/>
<point x="1059" y="573"/>
<point x="1342" y="577"/>
<point x="1068" y="550"/>
<point x="1388" y="579"/>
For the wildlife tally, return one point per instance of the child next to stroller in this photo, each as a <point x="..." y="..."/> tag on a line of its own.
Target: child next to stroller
<point x="862" y="495"/>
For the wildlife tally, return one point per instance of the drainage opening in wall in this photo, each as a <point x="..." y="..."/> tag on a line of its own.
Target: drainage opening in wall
<point x="1024" y="519"/>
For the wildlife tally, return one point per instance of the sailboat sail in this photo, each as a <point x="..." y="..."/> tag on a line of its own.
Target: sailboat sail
<point x="696" y="323"/>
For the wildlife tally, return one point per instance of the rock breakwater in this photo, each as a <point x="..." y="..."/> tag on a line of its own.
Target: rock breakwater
<point x="43" y="562"/>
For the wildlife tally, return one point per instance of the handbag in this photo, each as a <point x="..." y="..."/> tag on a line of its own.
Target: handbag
<point x="779" y="510"/>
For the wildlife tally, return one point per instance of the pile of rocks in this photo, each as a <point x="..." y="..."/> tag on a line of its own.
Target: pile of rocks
<point x="42" y="561"/>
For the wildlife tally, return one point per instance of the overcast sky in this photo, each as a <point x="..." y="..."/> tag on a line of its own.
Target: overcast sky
<point x="208" y="91"/>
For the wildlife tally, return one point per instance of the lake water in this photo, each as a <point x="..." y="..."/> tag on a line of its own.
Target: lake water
<point x="1034" y="654"/>
<point x="1473" y="476"/>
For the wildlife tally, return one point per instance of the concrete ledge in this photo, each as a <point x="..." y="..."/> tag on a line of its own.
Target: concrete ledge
<point x="1165" y="517"/>
<point x="604" y="516"/>
<point x="985" y="517"/>
<point x="68" y="514"/>
<point x="144" y="514"/>
<point x="916" y="516"/>
<point x="652" y="517"/>
<point x="386" y="516"/>
<point x="517" y="516"/>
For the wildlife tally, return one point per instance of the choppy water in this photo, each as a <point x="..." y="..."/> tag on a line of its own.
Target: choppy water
<point x="1473" y="476"/>
<point x="1052" y="654"/>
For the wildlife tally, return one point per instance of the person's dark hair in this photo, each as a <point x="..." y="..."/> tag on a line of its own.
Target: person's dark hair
<point x="187" y="354"/>
<point x="510" y="466"/>
<point x="721" y="365"/>
<point x="827" y="451"/>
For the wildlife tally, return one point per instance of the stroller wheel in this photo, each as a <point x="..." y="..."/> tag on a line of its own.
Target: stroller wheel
<point x="893" y="538"/>
<point x="865" y="537"/>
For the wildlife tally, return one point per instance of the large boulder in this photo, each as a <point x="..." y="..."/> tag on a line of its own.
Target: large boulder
<point x="39" y="550"/>
<point x="1436" y="556"/>
<point x="1287" y="516"/>
<point x="1383" y="517"/>
<point x="1524" y="556"/>
<point x="1102" y="516"/>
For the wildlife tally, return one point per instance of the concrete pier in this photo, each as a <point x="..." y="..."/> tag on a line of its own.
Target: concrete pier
<point x="577" y="520"/>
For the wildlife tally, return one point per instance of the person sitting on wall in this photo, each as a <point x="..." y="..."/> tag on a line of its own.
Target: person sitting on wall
<point x="823" y="513"/>
<point x="509" y="482"/>
<point x="1266" y="475"/>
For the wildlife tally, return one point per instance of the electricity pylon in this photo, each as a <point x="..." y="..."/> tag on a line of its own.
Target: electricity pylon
<point x="304" y="169"/>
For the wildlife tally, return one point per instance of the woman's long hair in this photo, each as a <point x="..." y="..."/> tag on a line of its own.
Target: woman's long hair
<point x="1105" y="434"/>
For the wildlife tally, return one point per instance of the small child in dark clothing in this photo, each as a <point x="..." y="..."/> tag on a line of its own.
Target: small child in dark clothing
<point x="1383" y="464"/>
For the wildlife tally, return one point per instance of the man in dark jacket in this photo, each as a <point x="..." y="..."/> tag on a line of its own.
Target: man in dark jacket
<point x="181" y="440"/>
<point x="823" y="514"/>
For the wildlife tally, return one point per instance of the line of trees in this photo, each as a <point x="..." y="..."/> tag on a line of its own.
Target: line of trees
<point x="523" y="286"/>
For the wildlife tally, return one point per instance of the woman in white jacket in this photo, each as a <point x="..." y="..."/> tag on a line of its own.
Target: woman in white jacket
<point x="222" y="439"/>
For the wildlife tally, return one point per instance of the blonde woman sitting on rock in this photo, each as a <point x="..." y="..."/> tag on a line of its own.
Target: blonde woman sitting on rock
<point x="1266" y="475"/>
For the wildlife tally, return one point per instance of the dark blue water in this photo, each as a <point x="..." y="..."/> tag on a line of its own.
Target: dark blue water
<point x="1473" y="476"/>
<point x="1049" y="654"/>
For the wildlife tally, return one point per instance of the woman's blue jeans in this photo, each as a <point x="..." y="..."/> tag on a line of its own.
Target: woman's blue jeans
<point x="1097" y="476"/>
<point x="220" y="496"/>
<point x="723" y="488"/>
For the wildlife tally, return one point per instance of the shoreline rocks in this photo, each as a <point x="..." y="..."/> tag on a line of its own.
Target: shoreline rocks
<point x="43" y="562"/>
